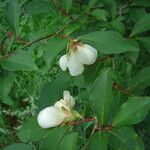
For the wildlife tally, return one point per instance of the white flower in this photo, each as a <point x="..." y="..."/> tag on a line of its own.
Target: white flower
<point x="50" y="117"/>
<point x="75" y="60"/>
<point x="86" y="54"/>
<point x="55" y="115"/>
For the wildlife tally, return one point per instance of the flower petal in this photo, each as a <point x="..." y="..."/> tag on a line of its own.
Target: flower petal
<point x="63" y="61"/>
<point x="86" y="54"/>
<point x="61" y="104"/>
<point x="69" y="99"/>
<point x="50" y="117"/>
<point x="74" y="66"/>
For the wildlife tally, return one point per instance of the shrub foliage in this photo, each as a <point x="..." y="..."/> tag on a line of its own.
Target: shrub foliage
<point x="112" y="95"/>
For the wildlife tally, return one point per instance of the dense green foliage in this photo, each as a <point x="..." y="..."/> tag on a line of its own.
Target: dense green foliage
<point x="113" y="94"/>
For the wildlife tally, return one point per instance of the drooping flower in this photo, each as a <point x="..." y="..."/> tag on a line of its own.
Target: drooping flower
<point x="50" y="117"/>
<point x="79" y="55"/>
<point x="86" y="54"/>
<point x="60" y="112"/>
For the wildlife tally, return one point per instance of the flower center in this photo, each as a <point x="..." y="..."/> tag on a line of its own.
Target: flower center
<point x="74" y="45"/>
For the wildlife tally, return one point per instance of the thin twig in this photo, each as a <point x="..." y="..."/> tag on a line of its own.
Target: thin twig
<point x="20" y="40"/>
<point x="128" y="3"/>
<point x="95" y="126"/>
<point x="46" y="37"/>
<point x="58" y="5"/>
<point x="115" y="85"/>
<point x="121" y="8"/>
<point x="104" y="58"/>
<point x="82" y="121"/>
<point x="93" y="130"/>
<point x="104" y="128"/>
<point x="39" y="39"/>
<point x="63" y="11"/>
<point x="1" y="44"/>
<point x="122" y="89"/>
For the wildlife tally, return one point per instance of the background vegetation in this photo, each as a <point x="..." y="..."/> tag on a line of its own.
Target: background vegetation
<point x="33" y="36"/>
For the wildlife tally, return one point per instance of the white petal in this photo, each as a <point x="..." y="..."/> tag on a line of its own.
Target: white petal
<point x="63" y="107"/>
<point x="74" y="66"/>
<point x="66" y="95"/>
<point x="61" y="104"/>
<point x="86" y="54"/>
<point x="63" y="61"/>
<point x="50" y="117"/>
<point x="69" y="99"/>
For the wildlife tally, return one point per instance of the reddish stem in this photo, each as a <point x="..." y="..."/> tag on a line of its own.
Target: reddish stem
<point x="122" y="89"/>
<point x="104" y="58"/>
<point x="82" y="121"/>
<point x="48" y="36"/>
<point x="21" y="40"/>
<point x="75" y="44"/>
<point x="104" y="128"/>
<point x="91" y="119"/>
<point x="63" y="11"/>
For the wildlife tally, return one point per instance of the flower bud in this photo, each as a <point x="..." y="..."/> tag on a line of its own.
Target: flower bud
<point x="50" y="117"/>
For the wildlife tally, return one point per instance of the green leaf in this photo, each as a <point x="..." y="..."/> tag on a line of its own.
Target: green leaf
<point x="91" y="73"/>
<point x="132" y="111"/>
<point x="146" y="124"/>
<point x="142" y="25"/>
<point x="67" y="4"/>
<point x="133" y="55"/>
<point x="69" y="142"/>
<point x="145" y="42"/>
<point x="118" y="26"/>
<point x="91" y="3"/>
<point x="99" y="14"/>
<point x="8" y="100"/>
<point x="101" y="95"/>
<point x="98" y="141"/>
<point x="12" y="13"/>
<point x="31" y="131"/>
<point x="79" y="81"/>
<point x="100" y="39"/>
<point x="125" y="139"/>
<point x="18" y="146"/>
<point x="19" y="60"/>
<point x="141" y="79"/>
<point x="137" y="13"/>
<point x="54" y="138"/>
<point x="142" y="3"/>
<point x="53" y="91"/>
<point x="110" y="6"/>
<point x="53" y="48"/>
<point x="36" y="7"/>
<point x="116" y="102"/>
<point x="6" y="81"/>
<point x="71" y="27"/>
